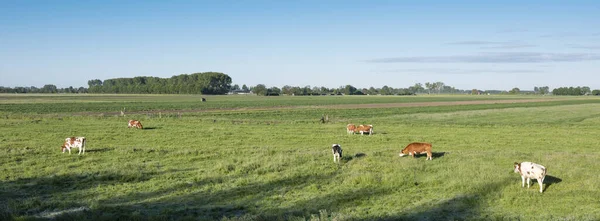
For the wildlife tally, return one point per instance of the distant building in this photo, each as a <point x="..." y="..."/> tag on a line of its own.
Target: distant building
<point x="239" y="92"/>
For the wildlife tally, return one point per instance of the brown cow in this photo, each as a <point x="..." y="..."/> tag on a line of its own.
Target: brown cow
<point x="417" y="148"/>
<point x="350" y="128"/>
<point x="362" y="129"/>
<point x="135" y="123"/>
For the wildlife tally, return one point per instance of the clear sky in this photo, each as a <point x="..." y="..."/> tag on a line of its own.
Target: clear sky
<point x="465" y="44"/>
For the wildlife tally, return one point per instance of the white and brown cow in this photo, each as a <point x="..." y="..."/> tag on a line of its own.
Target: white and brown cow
<point x="417" y="148"/>
<point x="135" y="123"/>
<point x="363" y="129"/>
<point x="529" y="170"/>
<point x="337" y="152"/>
<point x="72" y="142"/>
<point x="350" y="128"/>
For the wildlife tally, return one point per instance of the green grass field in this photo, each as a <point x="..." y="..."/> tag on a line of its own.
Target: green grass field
<point x="269" y="158"/>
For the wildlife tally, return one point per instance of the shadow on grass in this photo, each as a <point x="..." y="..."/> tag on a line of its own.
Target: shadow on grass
<point x="273" y="200"/>
<point x="468" y="206"/>
<point x="151" y="128"/>
<point x="214" y="198"/>
<point x="433" y="155"/>
<point x="99" y="150"/>
<point x="347" y="158"/>
<point x="29" y="196"/>
<point x="359" y="155"/>
<point x="549" y="180"/>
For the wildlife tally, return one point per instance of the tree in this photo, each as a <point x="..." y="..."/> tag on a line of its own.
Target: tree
<point x="541" y="90"/>
<point x="385" y="90"/>
<point x="260" y="89"/>
<point x="245" y="88"/>
<point x="474" y="91"/>
<point x="49" y="88"/>
<point x="273" y="91"/>
<point x="372" y="91"/>
<point x="235" y="87"/>
<point x="417" y="88"/>
<point x="349" y="90"/>
<point x="430" y="86"/>
<point x="515" y="91"/>
<point x="596" y="92"/>
<point x="438" y="86"/>
<point x="585" y="90"/>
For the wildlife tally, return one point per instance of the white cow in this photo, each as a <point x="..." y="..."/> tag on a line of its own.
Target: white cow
<point x="529" y="170"/>
<point x="72" y="142"/>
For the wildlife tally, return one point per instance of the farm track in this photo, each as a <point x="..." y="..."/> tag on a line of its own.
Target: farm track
<point x="337" y="106"/>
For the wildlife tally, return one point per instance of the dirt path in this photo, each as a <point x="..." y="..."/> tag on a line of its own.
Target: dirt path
<point x="337" y="106"/>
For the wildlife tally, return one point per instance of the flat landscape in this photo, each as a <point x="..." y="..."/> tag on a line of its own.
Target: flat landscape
<point x="269" y="158"/>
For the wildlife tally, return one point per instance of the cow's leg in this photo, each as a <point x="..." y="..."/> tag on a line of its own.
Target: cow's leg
<point x="522" y="181"/>
<point x="541" y="185"/>
<point x="528" y="182"/>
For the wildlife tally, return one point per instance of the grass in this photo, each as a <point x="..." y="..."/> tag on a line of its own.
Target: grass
<point x="276" y="164"/>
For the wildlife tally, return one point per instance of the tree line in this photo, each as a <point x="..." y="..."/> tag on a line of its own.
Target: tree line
<point x="435" y="87"/>
<point x="197" y="83"/>
<point x="219" y="83"/>
<point x="575" y="91"/>
<point x="48" y="88"/>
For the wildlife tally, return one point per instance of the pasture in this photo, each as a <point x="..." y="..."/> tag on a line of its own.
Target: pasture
<point x="269" y="158"/>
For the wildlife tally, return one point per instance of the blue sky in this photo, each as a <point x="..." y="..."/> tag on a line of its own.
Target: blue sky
<point x="465" y="44"/>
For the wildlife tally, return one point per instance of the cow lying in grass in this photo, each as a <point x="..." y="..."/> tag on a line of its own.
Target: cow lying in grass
<point x="363" y="129"/>
<point x="135" y="123"/>
<point x="337" y="152"/>
<point x="72" y="142"/>
<point x="529" y="170"/>
<point x="417" y="148"/>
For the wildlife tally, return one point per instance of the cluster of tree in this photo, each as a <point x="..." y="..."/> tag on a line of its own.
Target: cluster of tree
<point x="541" y="90"/>
<point x="437" y="87"/>
<point x="48" y="88"/>
<point x="236" y="89"/>
<point x="197" y="83"/>
<point x="572" y="91"/>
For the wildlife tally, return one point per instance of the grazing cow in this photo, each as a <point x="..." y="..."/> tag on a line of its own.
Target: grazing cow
<point x="135" y="123"/>
<point x="350" y="128"/>
<point x="203" y="99"/>
<point x="417" y="148"/>
<point x="362" y="129"/>
<point x="529" y="170"/>
<point x="337" y="152"/>
<point x="72" y="142"/>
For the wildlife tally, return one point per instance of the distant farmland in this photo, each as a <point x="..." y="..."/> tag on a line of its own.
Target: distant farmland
<point x="269" y="158"/>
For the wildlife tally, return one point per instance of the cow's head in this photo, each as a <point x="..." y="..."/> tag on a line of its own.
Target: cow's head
<point x="404" y="152"/>
<point x="517" y="167"/>
<point x="140" y="125"/>
<point x="337" y="148"/>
